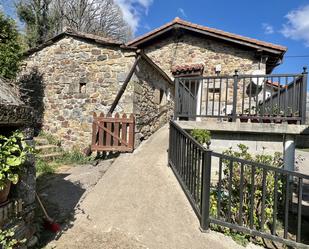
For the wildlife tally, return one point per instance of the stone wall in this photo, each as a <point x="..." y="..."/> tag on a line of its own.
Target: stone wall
<point x="153" y="100"/>
<point x="72" y="78"/>
<point x="189" y="49"/>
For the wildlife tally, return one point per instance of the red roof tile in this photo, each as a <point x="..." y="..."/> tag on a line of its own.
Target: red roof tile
<point x="187" y="68"/>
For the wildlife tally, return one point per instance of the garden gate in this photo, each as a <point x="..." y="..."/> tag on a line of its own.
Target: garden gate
<point x="113" y="133"/>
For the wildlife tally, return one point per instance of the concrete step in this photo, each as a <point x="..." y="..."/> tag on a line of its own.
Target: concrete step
<point x="41" y="141"/>
<point x="51" y="156"/>
<point x="48" y="148"/>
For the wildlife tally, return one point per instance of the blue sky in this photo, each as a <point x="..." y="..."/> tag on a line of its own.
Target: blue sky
<point x="285" y="22"/>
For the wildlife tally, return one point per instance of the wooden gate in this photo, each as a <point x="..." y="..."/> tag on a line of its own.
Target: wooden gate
<point x="113" y="133"/>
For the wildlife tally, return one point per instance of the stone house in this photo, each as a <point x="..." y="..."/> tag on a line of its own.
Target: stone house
<point x="184" y="49"/>
<point x="75" y="74"/>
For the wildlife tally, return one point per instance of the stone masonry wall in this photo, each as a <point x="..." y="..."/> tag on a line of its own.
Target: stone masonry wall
<point x="70" y="80"/>
<point x="191" y="49"/>
<point x="153" y="100"/>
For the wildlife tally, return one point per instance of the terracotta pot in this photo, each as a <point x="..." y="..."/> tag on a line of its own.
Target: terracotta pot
<point x="254" y="119"/>
<point x="5" y="192"/>
<point x="278" y="119"/>
<point x="292" y="121"/>
<point x="243" y="118"/>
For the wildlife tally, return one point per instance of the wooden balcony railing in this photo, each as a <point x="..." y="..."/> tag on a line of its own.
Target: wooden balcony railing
<point x="258" y="98"/>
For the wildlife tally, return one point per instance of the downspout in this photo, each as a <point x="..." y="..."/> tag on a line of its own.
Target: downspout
<point x="125" y="84"/>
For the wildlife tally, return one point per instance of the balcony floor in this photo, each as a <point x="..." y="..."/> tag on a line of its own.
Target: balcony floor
<point x="238" y="127"/>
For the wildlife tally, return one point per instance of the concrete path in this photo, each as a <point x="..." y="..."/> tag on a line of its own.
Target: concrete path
<point x="138" y="203"/>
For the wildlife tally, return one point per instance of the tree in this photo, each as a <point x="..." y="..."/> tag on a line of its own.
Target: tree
<point x="37" y="17"/>
<point x="46" y="18"/>
<point x="10" y="48"/>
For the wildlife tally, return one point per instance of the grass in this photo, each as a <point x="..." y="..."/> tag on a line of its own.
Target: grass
<point x="43" y="167"/>
<point x="74" y="157"/>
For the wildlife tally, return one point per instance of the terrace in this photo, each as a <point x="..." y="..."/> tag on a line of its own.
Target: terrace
<point x="261" y="111"/>
<point x="279" y="99"/>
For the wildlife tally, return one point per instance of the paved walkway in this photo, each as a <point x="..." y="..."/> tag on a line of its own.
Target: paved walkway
<point x="138" y="203"/>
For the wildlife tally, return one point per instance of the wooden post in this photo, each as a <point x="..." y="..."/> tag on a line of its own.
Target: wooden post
<point x="131" y="132"/>
<point x="101" y="132"/>
<point x="94" y="129"/>
<point x="116" y="130"/>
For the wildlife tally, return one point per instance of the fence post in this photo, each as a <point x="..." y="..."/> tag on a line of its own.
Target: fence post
<point x="176" y="104"/>
<point x="205" y="200"/>
<point x="303" y="103"/>
<point x="235" y="88"/>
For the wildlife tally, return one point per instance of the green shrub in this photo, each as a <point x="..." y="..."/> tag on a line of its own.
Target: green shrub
<point x="43" y="167"/>
<point x="200" y="135"/>
<point x="242" y="152"/>
<point x="13" y="152"/>
<point x="7" y="240"/>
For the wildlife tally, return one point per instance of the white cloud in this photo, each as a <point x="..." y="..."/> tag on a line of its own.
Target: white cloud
<point x="132" y="11"/>
<point x="297" y="25"/>
<point x="182" y="12"/>
<point x="268" y="29"/>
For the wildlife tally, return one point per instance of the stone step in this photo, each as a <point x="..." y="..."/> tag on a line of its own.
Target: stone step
<point x="41" y="141"/>
<point x="51" y="156"/>
<point x="48" y="148"/>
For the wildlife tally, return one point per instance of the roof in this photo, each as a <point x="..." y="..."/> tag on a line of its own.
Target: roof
<point x="193" y="68"/>
<point x="208" y="31"/>
<point x="12" y="110"/>
<point x="80" y="35"/>
<point x="8" y="93"/>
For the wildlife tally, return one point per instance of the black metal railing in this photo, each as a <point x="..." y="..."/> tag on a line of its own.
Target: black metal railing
<point x="259" y="98"/>
<point x="249" y="197"/>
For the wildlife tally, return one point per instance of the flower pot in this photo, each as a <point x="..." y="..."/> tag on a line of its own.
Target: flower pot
<point x="244" y="118"/>
<point x="254" y="119"/>
<point x="278" y="119"/>
<point x="292" y="121"/>
<point x="266" y="119"/>
<point x="5" y="192"/>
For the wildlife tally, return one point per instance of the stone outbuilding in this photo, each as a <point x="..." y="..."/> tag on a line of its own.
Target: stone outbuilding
<point x="75" y="74"/>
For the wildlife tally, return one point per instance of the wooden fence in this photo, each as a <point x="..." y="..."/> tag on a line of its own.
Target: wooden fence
<point x="113" y="133"/>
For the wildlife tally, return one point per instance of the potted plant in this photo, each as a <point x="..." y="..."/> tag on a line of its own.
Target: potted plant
<point x="253" y="117"/>
<point x="202" y="136"/>
<point x="278" y="114"/>
<point x="244" y="117"/>
<point x="290" y="114"/>
<point x="13" y="151"/>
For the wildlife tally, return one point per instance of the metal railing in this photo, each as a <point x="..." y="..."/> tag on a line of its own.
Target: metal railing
<point x="249" y="197"/>
<point x="259" y="98"/>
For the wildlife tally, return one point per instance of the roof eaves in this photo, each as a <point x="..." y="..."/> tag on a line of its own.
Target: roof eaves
<point x="210" y="31"/>
<point x="78" y="35"/>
